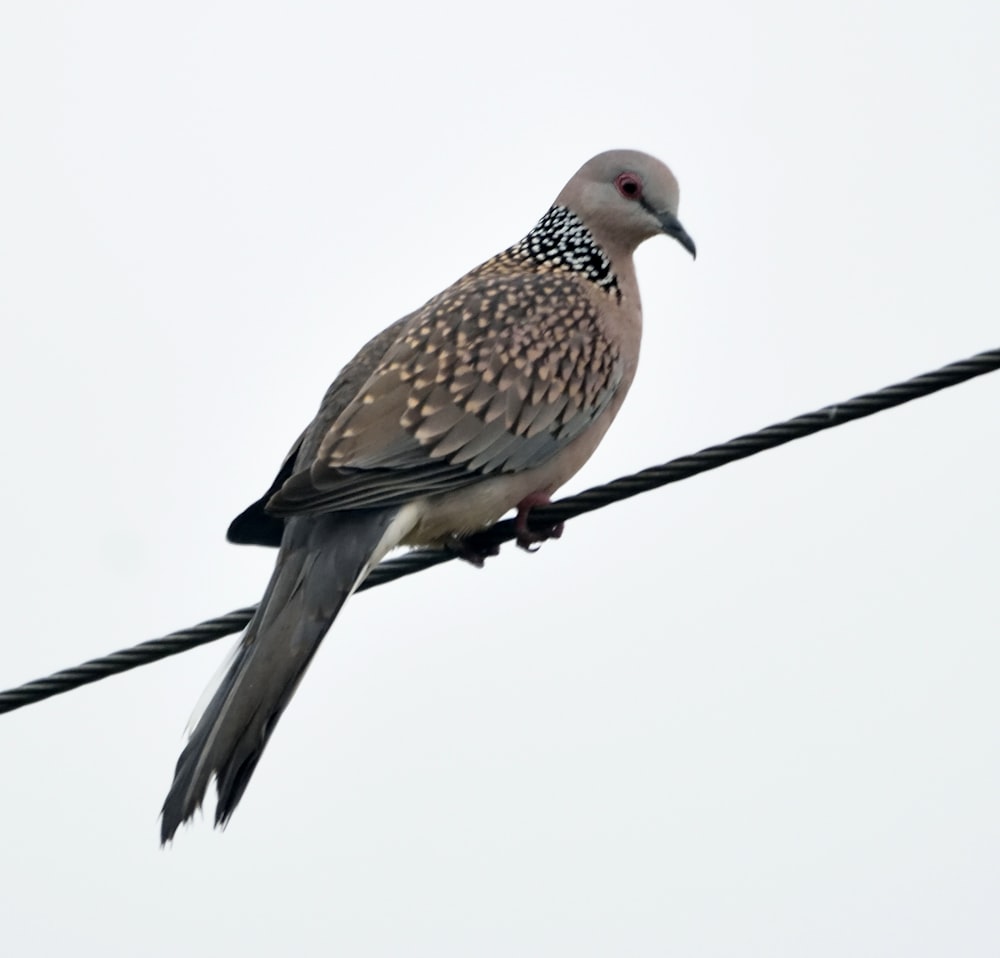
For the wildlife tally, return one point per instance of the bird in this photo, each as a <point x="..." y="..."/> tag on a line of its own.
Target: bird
<point x="484" y="400"/>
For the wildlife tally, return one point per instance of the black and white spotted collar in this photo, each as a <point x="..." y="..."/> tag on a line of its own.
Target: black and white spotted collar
<point x="560" y="240"/>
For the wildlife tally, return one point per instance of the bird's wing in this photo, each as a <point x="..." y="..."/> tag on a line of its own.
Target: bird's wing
<point x="255" y="525"/>
<point x="497" y="375"/>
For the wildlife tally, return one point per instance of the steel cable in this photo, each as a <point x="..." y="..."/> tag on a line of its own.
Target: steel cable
<point x="595" y="498"/>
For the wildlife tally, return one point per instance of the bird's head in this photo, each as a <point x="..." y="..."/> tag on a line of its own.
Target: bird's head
<point x="625" y="197"/>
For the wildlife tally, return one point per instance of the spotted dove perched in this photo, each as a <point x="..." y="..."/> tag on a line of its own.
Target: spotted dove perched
<point x="487" y="398"/>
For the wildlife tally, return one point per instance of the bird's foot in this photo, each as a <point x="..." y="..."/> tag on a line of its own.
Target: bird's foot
<point x="471" y="550"/>
<point x="529" y="539"/>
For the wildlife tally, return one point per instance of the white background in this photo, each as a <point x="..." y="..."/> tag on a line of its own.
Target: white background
<point x="752" y="714"/>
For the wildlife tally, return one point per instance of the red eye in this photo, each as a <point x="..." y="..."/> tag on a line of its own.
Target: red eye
<point x="629" y="185"/>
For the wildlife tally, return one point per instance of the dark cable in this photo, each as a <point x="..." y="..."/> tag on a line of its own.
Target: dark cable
<point x="596" y="498"/>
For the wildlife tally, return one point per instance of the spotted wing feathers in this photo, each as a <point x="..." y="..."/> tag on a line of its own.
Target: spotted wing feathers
<point x="495" y="375"/>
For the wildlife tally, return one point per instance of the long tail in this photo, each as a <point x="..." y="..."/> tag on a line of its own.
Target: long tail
<point x="321" y="561"/>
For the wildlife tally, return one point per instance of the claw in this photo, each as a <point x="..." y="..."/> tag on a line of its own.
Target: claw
<point x="470" y="550"/>
<point x="530" y="539"/>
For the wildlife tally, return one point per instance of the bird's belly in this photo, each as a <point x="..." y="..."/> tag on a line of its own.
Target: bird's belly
<point x="479" y="505"/>
<point x="467" y="510"/>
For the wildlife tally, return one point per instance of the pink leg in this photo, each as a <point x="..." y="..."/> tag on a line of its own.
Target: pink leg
<point x="526" y="538"/>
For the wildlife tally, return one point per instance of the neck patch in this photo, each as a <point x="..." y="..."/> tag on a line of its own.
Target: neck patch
<point x="561" y="241"/>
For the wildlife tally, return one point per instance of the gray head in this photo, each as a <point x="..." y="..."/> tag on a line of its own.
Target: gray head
<point x="625" y="197"/>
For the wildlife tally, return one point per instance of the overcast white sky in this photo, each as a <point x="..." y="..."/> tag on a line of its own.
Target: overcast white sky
<point x="753" y="714"/>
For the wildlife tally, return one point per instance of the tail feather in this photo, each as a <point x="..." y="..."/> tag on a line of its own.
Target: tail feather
<point x="321" y="561"/>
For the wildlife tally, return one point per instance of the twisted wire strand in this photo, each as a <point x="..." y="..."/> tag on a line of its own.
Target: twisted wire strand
<point x="597" y="497"/>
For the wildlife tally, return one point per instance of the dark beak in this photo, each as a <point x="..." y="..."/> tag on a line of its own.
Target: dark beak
<point x="672" y="227"/>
